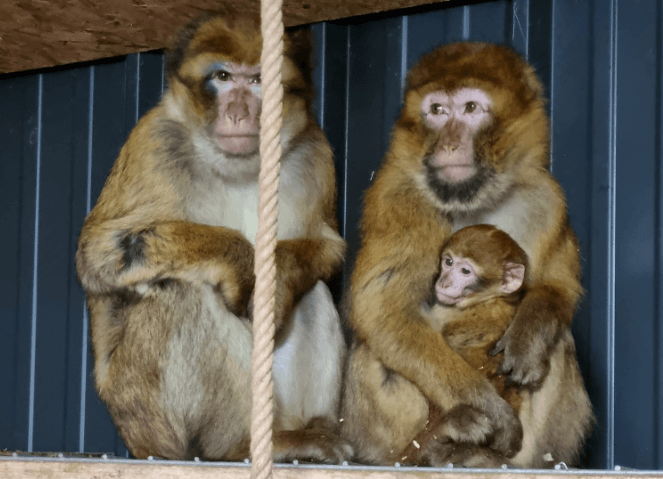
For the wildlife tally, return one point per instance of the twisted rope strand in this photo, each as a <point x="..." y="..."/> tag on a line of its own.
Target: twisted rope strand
<point x="265" y="265"/>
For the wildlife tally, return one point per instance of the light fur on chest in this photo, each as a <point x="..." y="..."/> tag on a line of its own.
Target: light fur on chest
<point x="523" y="216"/>
<point x="219" y="203"/>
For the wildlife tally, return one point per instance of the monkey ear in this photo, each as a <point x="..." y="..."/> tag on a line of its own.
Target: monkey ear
<point x="514" y="275"/>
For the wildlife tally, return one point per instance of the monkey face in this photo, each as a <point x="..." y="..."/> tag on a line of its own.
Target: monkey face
<point x="457" y="118"/>
<point x="458" y="279"/>
<point x="214" y="73"/>
<point x="237" y="89"/>
<point x="478" y="113"/>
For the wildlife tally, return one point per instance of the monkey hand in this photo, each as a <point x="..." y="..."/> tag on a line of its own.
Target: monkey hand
<point x="465" y="424"/>
<point x="284" y="303"/>
<point x="492" y="422"/>
<point x="317" y="442"/>
<point x="442" y="453"/>
<point x="529" y="339"/>
<point x="300" y="264"/>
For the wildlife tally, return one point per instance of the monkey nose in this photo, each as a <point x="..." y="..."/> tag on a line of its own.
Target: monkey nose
<point x="237" y="112"/>
<point x="448" y="149"/>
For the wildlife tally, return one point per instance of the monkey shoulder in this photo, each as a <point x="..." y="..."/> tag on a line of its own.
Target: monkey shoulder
<point x="527" y="214"/>
<point x="396" y="210"/>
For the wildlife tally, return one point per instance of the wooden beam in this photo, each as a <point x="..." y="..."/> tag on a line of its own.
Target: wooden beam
<point x="18" y="468"/>
<point x="45" y="33"/>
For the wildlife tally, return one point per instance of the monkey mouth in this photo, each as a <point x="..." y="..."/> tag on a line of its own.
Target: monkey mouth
<point x="448" y="190"/>
<point x="457" y="173"/>
<point x="238" y="145"/>
<point x="446" y="299"/>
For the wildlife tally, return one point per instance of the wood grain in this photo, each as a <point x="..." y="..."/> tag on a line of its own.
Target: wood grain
<point x="128" y="469"/>
<point x="44" y="33"/>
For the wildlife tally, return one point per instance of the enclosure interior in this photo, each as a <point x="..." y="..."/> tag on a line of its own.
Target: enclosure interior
<point x="601" y="63"/>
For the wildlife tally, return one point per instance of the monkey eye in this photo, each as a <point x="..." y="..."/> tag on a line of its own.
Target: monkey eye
<point x="436" y="109"/>
<point x="255" y="79"/>
<point x="465" y="271"/>
<point x="448" y="261"/>
<point x="470" y="106"/>
<point x="223" y="75"/>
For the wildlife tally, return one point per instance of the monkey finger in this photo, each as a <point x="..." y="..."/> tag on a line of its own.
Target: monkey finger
<point x="508" y="431"/>
<point x="314" y="445"/>
<point x="466" y="424"/>
<point x="498" y="348"/>
<point x="525" y="366"/>
<point x="466" y="455"/>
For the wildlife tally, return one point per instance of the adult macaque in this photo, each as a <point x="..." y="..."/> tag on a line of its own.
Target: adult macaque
<point x="480" y="286"/>
<point x="471" y="146"/>
<point x="166" y="259"/>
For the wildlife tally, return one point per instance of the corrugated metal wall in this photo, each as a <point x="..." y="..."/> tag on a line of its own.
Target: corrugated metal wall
<point x="601" y="62"/>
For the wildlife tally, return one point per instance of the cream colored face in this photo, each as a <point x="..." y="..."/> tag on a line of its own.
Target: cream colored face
<point x="237" y="87"/>
<point x="457" y="116"/>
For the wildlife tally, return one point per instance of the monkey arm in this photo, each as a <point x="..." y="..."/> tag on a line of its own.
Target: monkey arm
<point x="301" y="263"/>
<point x="388" y="322"/>
<point x="318" y="253"/>
<point x="546" y="310"/>
<point x="392" y="276"/>
<point x="123" y="253"/>
<point x="391" y="325"/>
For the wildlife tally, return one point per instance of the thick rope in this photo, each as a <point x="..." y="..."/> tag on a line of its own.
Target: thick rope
<point x="265" y="265"/>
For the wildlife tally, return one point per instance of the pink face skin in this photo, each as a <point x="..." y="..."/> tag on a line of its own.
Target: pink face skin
<point x="457" y="116"/>
<point x="237" y="128"/>
<point x="457" y="274"/>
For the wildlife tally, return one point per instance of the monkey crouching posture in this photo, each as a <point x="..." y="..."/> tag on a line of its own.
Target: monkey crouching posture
<point x="166" y="258"/>
<point x="470" y="147"/>
<point x="482" y="281"/>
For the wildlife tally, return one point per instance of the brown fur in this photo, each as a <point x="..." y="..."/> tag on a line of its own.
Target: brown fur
<point x="166" y="259"/>
<point x="398" y="363"/>
<point x="473" y="332"/>
<point x="556" y="416"/>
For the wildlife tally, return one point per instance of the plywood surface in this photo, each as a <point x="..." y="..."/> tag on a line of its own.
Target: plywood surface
<point x="44" y="33"/>
<point x="21" y="468"/>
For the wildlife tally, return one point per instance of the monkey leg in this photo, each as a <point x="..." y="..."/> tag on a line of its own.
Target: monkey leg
<point x="307" y="372"/>
<point x="178" y="382"/>
<point x="557" y="418"/>
<point x="382" y="411"/>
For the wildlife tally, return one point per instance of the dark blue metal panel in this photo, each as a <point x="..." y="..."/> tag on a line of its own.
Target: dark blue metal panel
<point x="151" y="80"/>
<point x="635" y="282"/>
<point x="600" y="270"/>
<point x="428" y="29"/>
<point x="58" y="332"/>
<point x="658" y="265"/>
<point x="19" y="119"/>
<point x="573" y="149"/>
<point x="490" y="22"/>
<point x="332" y="101"/>
<point x="375" y="78"/>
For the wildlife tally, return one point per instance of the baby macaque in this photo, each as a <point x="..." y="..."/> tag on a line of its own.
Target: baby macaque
<point x="482" y="281"/>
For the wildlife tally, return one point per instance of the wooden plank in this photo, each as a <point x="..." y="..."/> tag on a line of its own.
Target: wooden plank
<point x="19" y="468"/>
<point x="44" y="33"/>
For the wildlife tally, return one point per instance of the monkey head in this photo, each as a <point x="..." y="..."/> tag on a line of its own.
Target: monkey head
<point x="214" y="78"/>
<point x="473" y="118"/>
<point x="478" y="263"/>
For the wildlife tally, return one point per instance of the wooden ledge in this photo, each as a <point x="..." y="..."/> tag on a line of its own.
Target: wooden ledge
<point x="45" y="33"/>
<point x="42" y="468"/>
